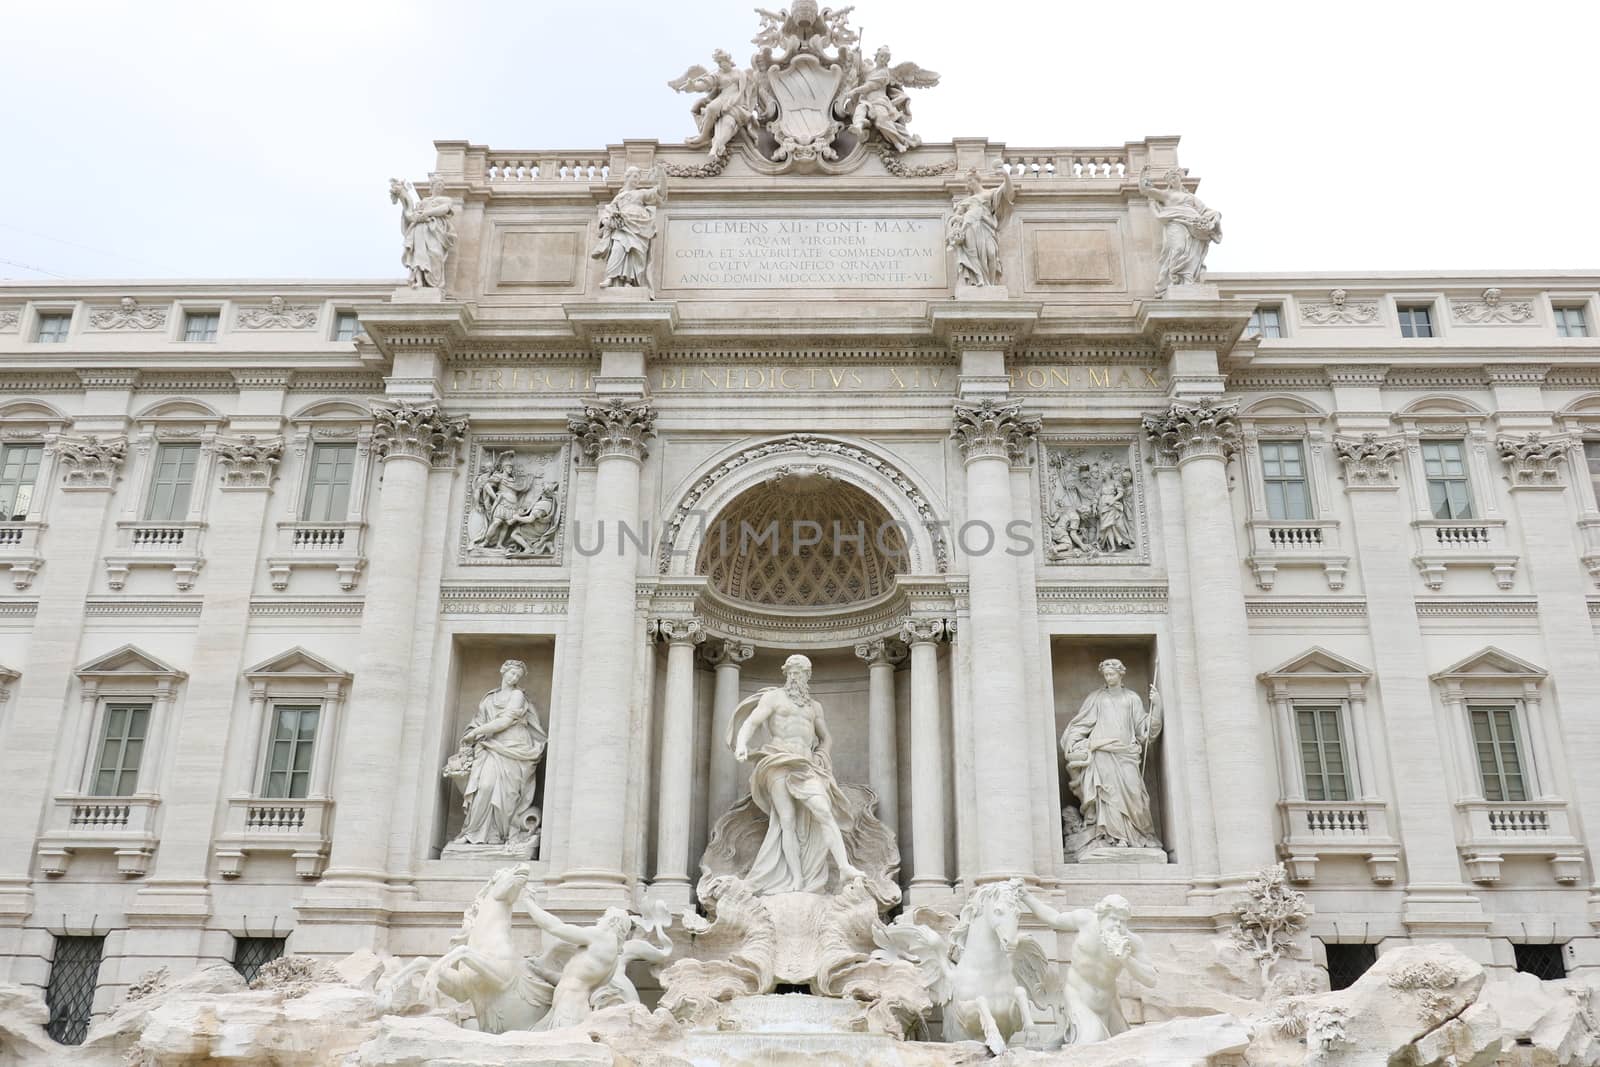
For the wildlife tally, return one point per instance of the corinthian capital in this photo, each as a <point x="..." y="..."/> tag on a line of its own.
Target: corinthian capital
<point x="1204" y="428"/>
<point x="1534" y="461"/>
<point x="1369" y="461"/>
<point x="615" y="427"/>
<point x="248" y="461"/>
<point x="90" y="462"/>
<point x="410" y="430"/>
<point x="993" y="429"/>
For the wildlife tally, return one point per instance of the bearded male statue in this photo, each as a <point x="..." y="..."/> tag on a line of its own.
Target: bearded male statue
<point x="793" y="783"/>
<point x="1103" y="949"/>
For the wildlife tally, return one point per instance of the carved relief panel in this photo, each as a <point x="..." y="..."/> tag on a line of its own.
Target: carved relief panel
<point x="1093" y="503"/>
<point x="516" y="499"/>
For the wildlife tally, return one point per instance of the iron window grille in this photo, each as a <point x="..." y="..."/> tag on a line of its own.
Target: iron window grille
<point x="74" y="973"/>
<point x="250" y="954"/>
<point x="1346" y="963"/>
<point x="1542" y="961"/>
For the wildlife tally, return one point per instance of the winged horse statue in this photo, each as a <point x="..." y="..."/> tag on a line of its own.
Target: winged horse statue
<point x="985" y="975"/>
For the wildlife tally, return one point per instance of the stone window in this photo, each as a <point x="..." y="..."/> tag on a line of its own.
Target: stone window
<point x="201" y="325"/>
<point x="1496" y="743"/>
<point x="328" y="480"/>
<point x="1416" y="320"/>
<point x="1570" y="322"/>
<point x="52" y="327"/>
<point x="1346" y="963"/>
<point x="1322" y="758"/>
<point x="250" y="954"/>
<point x="1283" y="476"/>
<point x="346" y="325"/>
<point x="1265" y="321"/>
<point x="172" y="482"/>
<point x="74" y="973"/>
<point x="1591" y="454"/>
<point x="290" y="747"/>
<point x="123" y="731"/>
<point x="19" y="473"/>
<point x="1544" y="962"/>
<point x="1444" y="463"/>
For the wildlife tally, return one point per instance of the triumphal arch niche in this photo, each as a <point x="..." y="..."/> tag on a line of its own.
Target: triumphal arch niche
<point x="834" y="466"/>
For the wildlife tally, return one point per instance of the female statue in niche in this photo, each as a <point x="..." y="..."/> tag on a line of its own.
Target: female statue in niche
<point x="1105" y="746"/>
<point x="499" y="758"/>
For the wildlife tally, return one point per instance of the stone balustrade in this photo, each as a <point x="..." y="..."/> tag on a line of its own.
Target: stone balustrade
<point x="20" y="551"/>
<point x="337" y="545"/>
<point x="299" y="828"/>
<point x="1443" y="544"/>
<point x="1316" y="829"/>
<point x="1494" y="829"/>
<point x="1296" y="543"/>
<point x="124" y="826"/>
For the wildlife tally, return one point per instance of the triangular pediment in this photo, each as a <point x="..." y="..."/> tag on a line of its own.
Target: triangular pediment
<point x="128" y="662"/>
<point x="1491" y="663"/>
<point x="1317" y="662"/>
<point x="296" y="663"/>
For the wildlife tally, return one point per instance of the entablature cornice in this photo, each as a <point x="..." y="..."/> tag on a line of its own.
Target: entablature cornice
<point x="437" y="328"/>
<point x="1168" y="325"/>
<point x="623" y="326"/>
<point x="981" y="325"/>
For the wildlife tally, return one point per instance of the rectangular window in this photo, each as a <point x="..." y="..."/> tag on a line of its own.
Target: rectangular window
<point x="1449" y="491"/>
<point x="201" y="325"/>
<point x="1494" y="736"/>
<point x="294" y="735"/>
<point x="122" y="737"/>
<point x="1322" y="752"/>
<point x="333" y="468"/>
<point x="250" y="954"/>
<point x="74" y="973"/>
<point x="1416" y="320"/>
<point x="19" y="470"/>
<point x="345" y="326"/>
<point x="1591" y="452"/>
<point x="172" y="483"/>
<point x="1544" y="962"/>
<point x="53" y="327"/>
<point x="1570" y="322"/>
<point x="1346" y="963"/>
<point x="1265" y="321"/>
<point x="1283" y="470"/>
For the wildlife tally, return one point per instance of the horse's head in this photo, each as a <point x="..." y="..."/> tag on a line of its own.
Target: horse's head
<point x="507" y="883"/>
<point x="999" y="906"/>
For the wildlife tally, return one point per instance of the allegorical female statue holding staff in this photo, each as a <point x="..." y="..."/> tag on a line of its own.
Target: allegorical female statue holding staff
<point x="1105" y="746"/>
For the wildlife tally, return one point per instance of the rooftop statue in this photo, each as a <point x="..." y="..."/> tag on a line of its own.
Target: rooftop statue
<point x="428" y="224"/>
<point x="628" y="225"/>
<point x="1188" y="230"/>
<point x="727" y="106"/>
<point x="972" y="229"/>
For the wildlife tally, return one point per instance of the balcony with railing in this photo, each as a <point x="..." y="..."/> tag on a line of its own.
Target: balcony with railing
<point x="123" y="826"/>
<point x="1296" y="543"/>
<point x="335" y="545"/>
<point x="296" y="827"/>
<point x="1315" y="829"/>
<point x="174" y="546"/>
<point x="1589" y="530"/>
<point x="19" y="551"/>
<point x="1443" y="544"/>
<point x="1492" y="830"/>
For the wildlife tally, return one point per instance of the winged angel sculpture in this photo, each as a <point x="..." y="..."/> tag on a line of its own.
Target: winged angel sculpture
<point x="808" y="84"/>
<point x="985" y="975"/>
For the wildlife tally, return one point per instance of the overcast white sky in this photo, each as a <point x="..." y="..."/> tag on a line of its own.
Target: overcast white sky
<point x="233" y="140"/>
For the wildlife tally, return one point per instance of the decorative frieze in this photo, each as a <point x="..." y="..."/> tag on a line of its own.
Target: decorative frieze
<point x="1492" y="310"/>
<point x="1083" y="599"/>
<point x="277" y="314"/>
<point x="9" y="318"/>
<point x="1339" y="310"/>
<point x="615" y="427"/>
<point x="1370" y="461"/>
<point x="993" y="429"/>
<point x="1187" y="431"/>
<point x="423" y="431"/>
<point x="90" y="462"/>
<point x="516" y="509"/>
<point x="248" y="461"/>
<point x="128" y="315"/>
<point x="1093" y="504"/>
<point x="1534" y="461"/>
<point x="507" y="598"/>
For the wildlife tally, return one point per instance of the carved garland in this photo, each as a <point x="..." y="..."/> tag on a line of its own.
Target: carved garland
<point x="809" y="445"/>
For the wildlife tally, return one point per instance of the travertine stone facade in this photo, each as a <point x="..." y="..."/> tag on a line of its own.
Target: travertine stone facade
<point x="1357" y="564"/>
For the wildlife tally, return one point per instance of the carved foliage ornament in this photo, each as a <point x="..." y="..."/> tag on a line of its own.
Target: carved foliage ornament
<point x="9" y="317"/>
<point x="128" y="315"/>
<point x="277" y="315"/>
<point x="413" y="430"/>
<point x="1205" y="428"/>
<point x="1534" y="460"/>
<point x="1369" y="461"/>
<point x="248" y="462"/>
<point x="994" y="429"/>
<point x="90" y="462"/>
<point x="1491" y="310"/>
<point x="1340" y="311"/>
<point x="615" y="427"/>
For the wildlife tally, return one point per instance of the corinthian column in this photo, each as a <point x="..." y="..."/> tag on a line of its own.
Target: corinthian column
<point x="613" y="433"/>
<point x="726" y="656"/>
<point x="677" y="760"/>
<point x="882" y="759"/>
<point x="988" y="433"/>
<point x="929" y="876"/>
<point x="1201" y="437"/>
<point x="409" y="439"/>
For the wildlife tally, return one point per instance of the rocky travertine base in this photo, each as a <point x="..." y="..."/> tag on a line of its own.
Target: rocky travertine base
<point x="1421" y="1006"/>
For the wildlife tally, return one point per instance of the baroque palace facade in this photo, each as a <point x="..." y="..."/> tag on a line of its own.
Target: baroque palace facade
<point x="269" y="546"/>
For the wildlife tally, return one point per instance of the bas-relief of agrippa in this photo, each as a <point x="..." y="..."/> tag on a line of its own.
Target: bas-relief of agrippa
<point x="516" y="500"/>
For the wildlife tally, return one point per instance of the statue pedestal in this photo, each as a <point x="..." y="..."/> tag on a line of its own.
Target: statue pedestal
<point x="791" y="1027"/>
<point x="516" y="853"/>
<point x="1193" y="291"/>
<point x="424" y="294"/>
<point x="982" y="292"/>
<point x="1123" y="855"/>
